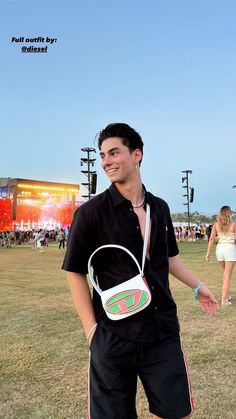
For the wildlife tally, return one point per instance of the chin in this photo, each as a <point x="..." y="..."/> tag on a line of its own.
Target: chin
<point x="117" y="181"/>
<point x="113" y="179"/>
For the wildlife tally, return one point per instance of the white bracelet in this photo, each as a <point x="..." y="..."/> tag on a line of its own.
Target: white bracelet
<point x="92" y="328"/>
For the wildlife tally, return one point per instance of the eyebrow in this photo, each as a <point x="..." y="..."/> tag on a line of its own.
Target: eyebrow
<point x="110" y="151"/>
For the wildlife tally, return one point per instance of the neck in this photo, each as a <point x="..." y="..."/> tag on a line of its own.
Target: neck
<point x="133" y="192"/>
<point x="141" y="203"/>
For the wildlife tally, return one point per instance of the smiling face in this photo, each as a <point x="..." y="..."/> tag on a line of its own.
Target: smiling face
<point x="119" y="163"/>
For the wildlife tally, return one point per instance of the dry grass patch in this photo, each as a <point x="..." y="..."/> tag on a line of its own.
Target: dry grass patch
<point x="44" y="352"/>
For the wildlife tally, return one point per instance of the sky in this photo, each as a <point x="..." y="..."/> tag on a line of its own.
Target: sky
<point x="165" y="67"/>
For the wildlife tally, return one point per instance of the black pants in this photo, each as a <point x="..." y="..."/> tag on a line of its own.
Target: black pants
<point x="62" y="243"/>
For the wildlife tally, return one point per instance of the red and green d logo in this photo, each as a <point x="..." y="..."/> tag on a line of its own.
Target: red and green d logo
<point x="126" y="301"/>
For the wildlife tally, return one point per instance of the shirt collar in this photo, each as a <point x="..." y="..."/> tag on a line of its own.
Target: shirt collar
<point x="117" y="198"/>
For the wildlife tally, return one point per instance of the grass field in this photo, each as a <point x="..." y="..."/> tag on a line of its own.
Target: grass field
<point x="44" y="351"/>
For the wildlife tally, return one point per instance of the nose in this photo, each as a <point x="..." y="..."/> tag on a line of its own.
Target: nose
<point x="106" y="161"/>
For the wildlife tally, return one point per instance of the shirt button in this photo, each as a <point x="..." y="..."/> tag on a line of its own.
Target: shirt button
<point x="152" y="287"/>
<point x="137" y="227"/>
<point x="155" y="308"/>
<point x="131" y="209"/>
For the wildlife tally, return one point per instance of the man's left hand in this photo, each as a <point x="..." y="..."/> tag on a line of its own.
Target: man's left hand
<point x="208" y="301"/>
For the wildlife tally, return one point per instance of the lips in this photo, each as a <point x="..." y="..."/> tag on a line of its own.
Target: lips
<point x="111" y="171"/>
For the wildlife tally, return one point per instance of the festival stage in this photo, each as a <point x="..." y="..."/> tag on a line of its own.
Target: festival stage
<point x="31" y="204"/>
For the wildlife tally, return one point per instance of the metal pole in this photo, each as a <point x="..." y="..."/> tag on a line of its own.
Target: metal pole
<point x="187" y="172"/>
<point x="188" y="202"/>
<point x="89" y="177"/>
<point x="89" y="162"/>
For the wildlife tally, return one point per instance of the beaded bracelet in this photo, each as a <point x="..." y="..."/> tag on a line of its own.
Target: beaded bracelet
<point x="195" y="291"/>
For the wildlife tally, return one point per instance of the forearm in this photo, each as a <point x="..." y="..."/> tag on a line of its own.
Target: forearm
<point x="81" y="297"/>
<point x="180" y="272"/>
<point x="201" y="293"/>
<point x="211" y="240"/>
<point x="210" y="243"/>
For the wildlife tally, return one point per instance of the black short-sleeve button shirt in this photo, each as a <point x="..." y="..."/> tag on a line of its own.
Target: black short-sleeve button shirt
<point x="109" y="218"/>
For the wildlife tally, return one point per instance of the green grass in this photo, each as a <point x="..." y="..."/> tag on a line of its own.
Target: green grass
<point x="44" y="351"/>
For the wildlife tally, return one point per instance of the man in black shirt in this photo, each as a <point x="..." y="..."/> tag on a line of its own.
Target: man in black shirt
<point x="146" y="344"/>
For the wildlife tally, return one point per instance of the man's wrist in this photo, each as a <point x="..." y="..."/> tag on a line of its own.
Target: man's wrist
<point x="196" y="291"/>
<point x="91" y="330"/>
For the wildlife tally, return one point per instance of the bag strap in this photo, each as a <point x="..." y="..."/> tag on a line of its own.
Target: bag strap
<point x="94" y="281"/>
<point x="146" y="234"/>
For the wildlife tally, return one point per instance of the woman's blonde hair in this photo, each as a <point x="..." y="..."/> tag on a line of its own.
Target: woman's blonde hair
<point x="224" y="218"/>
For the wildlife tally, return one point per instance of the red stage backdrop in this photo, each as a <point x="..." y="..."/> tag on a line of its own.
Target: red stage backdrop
<point x="35" y="216"/>
<point x="5" y="214"/>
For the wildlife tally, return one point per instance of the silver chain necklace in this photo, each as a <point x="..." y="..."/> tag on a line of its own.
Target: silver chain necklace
<point x="140" y="205"/>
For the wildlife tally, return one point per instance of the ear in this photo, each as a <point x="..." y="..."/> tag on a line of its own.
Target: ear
<point x="137" y="155"/>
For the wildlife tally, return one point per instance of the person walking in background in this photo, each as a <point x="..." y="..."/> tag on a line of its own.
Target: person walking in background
<point x="8" y="239"/>
<point x="225" y="232"/>
<point x="197" y="234"/>
<point x="21" y="237"/>
<point x="46" y="237"/>
<point x="1" y="239"/>
<point x="61" y="238"/>
<point x="17" y="237"/>
<point x="40" y="240"/>
<point x="208" y="231"/>
<point x="67" y="232"/>
<point x="146" y="344"/>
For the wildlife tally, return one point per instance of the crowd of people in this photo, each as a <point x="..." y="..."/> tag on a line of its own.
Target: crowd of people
<point x="193" y="233"/>
<point x="60" y="236"/>
<point x="38" y="239"/>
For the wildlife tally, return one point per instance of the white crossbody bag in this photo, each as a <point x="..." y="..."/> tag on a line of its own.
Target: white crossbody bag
<point x="130" y="296"/>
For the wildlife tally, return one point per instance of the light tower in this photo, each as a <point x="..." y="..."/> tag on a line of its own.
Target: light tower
<point x="189" y="195"/>
<point x="91" y="183"/>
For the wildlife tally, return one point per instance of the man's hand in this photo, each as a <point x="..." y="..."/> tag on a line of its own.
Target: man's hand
<point x="91" y="333"/>
<point x="207" y="300"/>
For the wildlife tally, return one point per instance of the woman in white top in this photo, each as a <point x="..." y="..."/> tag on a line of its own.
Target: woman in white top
<point x="225" y="231"/>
